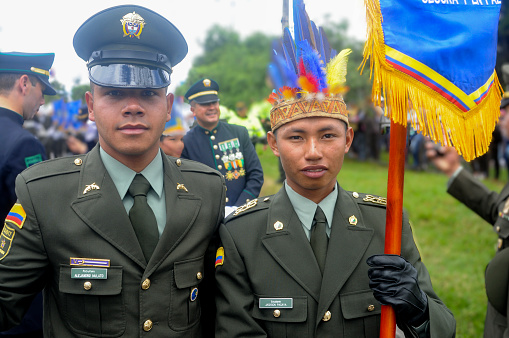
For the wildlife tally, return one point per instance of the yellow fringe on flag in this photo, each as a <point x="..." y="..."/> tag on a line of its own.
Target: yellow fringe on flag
<point x="469" y="132"/>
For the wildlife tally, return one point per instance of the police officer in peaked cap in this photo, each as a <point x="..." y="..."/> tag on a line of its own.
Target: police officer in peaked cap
<point x="222" y="146"/>
<point x="24" y="80"/>
<point x="117" y="238"/>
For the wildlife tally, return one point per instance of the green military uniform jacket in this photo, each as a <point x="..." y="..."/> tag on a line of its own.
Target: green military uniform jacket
<point x="268" y="259"/>
<point x="489" y="205"/>
<point x="74" y="213"/>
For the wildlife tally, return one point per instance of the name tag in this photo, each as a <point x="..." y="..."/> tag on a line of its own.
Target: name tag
<point x="281" y="303"/>
<point x="89" y="273"/>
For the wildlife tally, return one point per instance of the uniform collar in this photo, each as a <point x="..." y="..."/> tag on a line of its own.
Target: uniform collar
<point x="122" y="176"/>
<point x="305" y="208"/>
<point x="209" y="132"/>
<point x="12" y="115"/>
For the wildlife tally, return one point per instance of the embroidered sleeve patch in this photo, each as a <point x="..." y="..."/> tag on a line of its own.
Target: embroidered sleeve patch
<point x="16" y="216"/>
<point x="219" y="257"/>
<point x="6" y="240"/>
<point x="33" y="160"/>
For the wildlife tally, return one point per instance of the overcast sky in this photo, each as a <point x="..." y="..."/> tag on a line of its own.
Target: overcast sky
<point x="49" y="26"/>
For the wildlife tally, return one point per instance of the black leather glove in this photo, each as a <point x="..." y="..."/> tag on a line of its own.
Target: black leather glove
<point x="394" y="282"/>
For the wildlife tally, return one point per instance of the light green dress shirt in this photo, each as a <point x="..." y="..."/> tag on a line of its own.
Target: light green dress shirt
<point x="305" y="208"/>
<point x="122" y="177"/>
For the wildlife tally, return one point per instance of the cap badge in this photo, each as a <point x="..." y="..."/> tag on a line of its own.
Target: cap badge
<point x="132" y="24"/>
<point x="206" y="83"/>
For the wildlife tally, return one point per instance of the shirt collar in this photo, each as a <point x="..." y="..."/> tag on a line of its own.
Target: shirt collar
<point x="305" y="208"/>
<point x="122" y="176"/>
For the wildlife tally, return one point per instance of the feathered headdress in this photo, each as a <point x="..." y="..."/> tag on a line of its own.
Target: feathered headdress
<point x="308" y="75"/>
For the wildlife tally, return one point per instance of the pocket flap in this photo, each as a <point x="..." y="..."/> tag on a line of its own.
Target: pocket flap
<point x="110" y="285"/>
<point x="187" y="272"/>
<point x="298" y="313"/>
<point x="359" y="304"/>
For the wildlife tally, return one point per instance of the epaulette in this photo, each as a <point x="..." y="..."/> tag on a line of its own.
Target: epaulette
<point x="250" y="207"/>
<point x="190" y="165"/>
<point x="54" y="167"/>
<point x="369" y="199"/>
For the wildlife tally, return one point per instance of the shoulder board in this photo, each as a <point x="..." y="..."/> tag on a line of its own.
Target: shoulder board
<point x="190" y="165"/>
<point x="54" y="167"/>
<point x="260" y="203"/>
<point x="368" y="199"/>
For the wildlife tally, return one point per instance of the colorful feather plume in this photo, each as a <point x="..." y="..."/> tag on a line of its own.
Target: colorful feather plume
<point x="300" y="65"/>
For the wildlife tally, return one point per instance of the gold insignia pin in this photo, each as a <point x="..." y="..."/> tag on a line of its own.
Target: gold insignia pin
<point x="181" y="187"/>
<point x="206" y="83"/>
<point x="352" y="220"/>
<point x="278" y="226"/>
<point x="91" y="187"/>
<point x="245" y="207"/>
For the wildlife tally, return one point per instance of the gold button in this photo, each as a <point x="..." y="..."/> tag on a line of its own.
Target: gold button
<point x="87" y="286"/>
<point x="215" y="131"/>
<point x="227" y="200"/>
<point x="371" y="308"/>
<point x="500" y="242"/>
<point x="266" y="199"/>
<point x="207" y="132"/>
<point x="199" y="276"/>
<point x="355" y="194"/>
<point x="247" y="200"/>
<point x="147" y="326"/>
<point x="217" y="157"/>
<point x="326" y="316"/>
<point x="276" y="313"/>
<point x="212" y="137"/>
<point x="146" y="284"/>
<point x="498" y="228"/>
<point x="219" y="167"/>
<point x="78" y="161"/>
<point x="179" y="162"/>
<point x="215" y="146"/>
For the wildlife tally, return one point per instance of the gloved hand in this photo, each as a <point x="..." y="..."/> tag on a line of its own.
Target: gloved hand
<point x="394" y="282"/>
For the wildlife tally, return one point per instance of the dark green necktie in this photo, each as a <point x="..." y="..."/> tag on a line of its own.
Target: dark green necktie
<point x="142" y="217"/>
<point x="319" y="240"/>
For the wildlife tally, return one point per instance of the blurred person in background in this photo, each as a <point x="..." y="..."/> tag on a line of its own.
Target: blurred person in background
<point x="24" y="80"/>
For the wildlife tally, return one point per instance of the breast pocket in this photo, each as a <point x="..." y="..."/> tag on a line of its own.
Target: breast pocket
<point x="93" y="306"/>
<point x="278" y="318"/>
<point x="361" y="312"/>
<point x="185" y="309"/>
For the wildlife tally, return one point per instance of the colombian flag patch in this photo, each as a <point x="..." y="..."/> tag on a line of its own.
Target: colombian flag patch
<point x="219" y="257"/>
<point x="16" y="216"/>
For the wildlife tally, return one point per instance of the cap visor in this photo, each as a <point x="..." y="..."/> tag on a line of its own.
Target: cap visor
<point x="207" y="98"/>
<point x="129" y="76"/>
<point x="48" y="89"/>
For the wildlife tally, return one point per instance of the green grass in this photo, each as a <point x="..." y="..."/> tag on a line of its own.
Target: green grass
<point x="455" y="244"/>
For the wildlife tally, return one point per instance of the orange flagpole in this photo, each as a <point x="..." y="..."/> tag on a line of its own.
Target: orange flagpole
<point x="394" y="213"/>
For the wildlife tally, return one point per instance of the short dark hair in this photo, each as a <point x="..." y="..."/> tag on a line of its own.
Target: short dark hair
<point x="7" y="81"/>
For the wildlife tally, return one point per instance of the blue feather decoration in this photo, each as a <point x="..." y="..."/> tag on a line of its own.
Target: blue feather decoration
<point x="313" y="64"/>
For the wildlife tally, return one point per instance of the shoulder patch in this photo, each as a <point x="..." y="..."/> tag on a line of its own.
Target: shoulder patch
<point x="219" y="257"/>
<point x="33" y="160"/>
<point x="16" y="216"/>
<point x="6" y="238"/>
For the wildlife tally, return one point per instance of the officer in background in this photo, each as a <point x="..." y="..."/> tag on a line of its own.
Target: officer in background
<point x="117" y="237"/>
<point x="24" y="80"/>
<point x="493" y="207"/>
<point x="222" y="146"/>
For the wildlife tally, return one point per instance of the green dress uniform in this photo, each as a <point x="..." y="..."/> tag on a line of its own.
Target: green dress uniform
<point x="270" y="284"/>
<point x="70" y="235"/>
<point x="493" y="208"/>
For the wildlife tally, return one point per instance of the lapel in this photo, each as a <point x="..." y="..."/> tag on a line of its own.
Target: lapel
<point x="290" y="246"/>
<point x="182" y="208"/>
<point x="102" y="209"/>
<point x="347" y="245"/>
